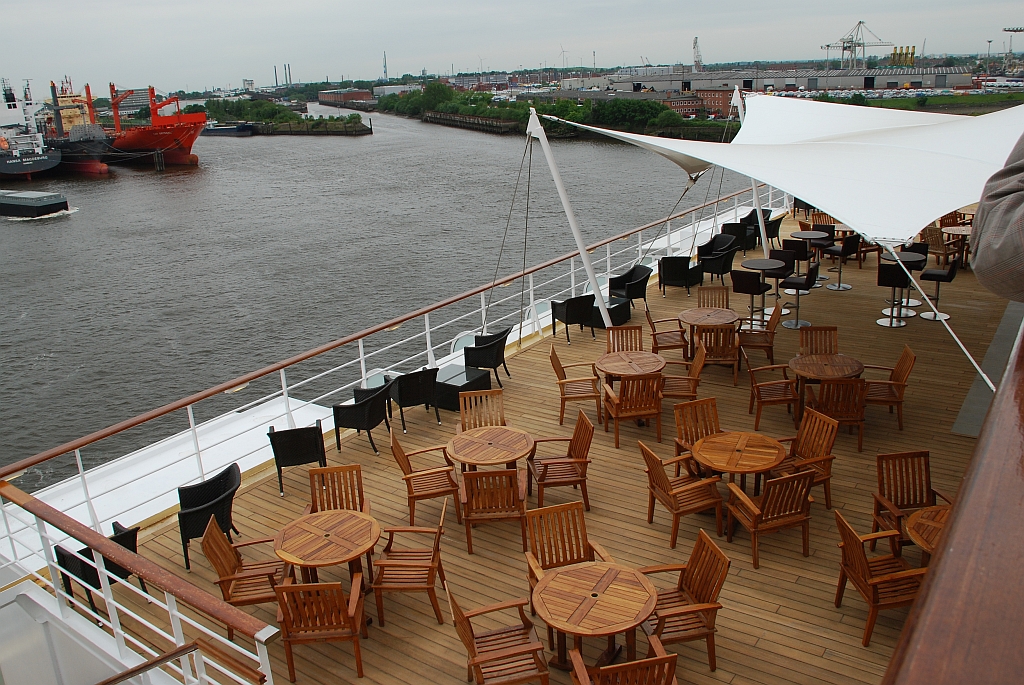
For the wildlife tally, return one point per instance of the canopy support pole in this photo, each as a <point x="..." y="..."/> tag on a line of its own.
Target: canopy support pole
<point x="760" y="216"/>
<point x="537" y="131"/>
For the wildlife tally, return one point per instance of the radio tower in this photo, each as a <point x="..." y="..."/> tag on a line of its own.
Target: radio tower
<point x="698" y="63"/>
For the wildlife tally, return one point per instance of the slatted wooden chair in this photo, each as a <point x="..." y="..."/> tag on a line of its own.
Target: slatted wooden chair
<point x="885" y="582"/>
<point x="786" y="503"/>
<point x="695" y="420"/>
<point x="688" y="611"/>
<point x="414" y="569"/>
<point x="338" y="487"/>
<point x="811" y="450"/>
<point x="819" y="340"/>
<point x="659" y="668"/>
<point x="762" y="339"/>
<point x="768" y="388"/>
<point x="715" y="296"/>
<point x="625" y="339"/>
<point x="842" y="399"/>
<point x="682" y="496"/>
<point x="583" y="387"/>
<point x="939" y="246"/>
<point x="904" y="486"/>
<point x="241" y="583"/>
<point x="564" y="471"/>
<point x="321" y="612"/>
<point x="890" y="392"/>
<point x="722" y="347"/>
<point x="489" y="496"/>
<point x="639" y="397"/>
<point x="479" y="408"/>
<point x="507" y="655"/>
<point x="822" y="219"/>
<point x="431" y="483"/>
<point x="684" y="387"/>
<point x="672" y="339"/>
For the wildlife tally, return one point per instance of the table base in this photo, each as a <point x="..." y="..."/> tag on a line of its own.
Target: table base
<point x="900" y="313"/>
<point x="932" y="316"/>
<point x="560" y="659"/>
<point x="771" y="310"/>
<point x="891" y="323"/>
<point x="792" y="291"/>
<point x="910" y="302"/>
<point x="796" y="324"/>
<point x="839" y="286"/>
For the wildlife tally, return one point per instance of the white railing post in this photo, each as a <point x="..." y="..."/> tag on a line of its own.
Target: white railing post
<point x="533" y="309"/>
<point x="200" y="662"/>
<point x="639" y="246"/>
<point x="735" y="209"/>
<point x="62" y="606"/>
<point x="483" y="314"/>
<point x="771" y="197"/>
<point x="195" y="442"/>
<point x="362" y="363"/>
<point x="668" y="238"/>
<point x="10" y="535"/>
<point x="261" y="651"/>
<point x="287" y="400"/>
<point x="179" y="634"/>
<point x="572" y="276"/>
<point x="85" y="491"/>
<point x="108" y="599"/>
<point x="607" y="263"/>
<point x="431" y="362"/>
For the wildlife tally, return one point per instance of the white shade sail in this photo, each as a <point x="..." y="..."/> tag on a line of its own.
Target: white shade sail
<point x="885" y="173"/>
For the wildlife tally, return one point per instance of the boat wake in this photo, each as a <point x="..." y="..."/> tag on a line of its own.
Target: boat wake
<point x="64" y="212"/>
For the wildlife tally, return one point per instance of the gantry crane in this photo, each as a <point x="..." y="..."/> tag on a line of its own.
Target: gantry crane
<point x="851" y="43"/>
<point x="698" y="63"/>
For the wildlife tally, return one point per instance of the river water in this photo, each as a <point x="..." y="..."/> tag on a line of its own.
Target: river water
<point x="163" y="284"/>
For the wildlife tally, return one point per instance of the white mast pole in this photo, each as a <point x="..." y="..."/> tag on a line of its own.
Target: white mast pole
<point x="535" y="129"/>
<point x="737" y="102"/>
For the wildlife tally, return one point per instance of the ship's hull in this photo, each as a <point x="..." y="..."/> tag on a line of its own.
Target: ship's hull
<point x="28" y="164"/>
<point x="138" y="145"/>
<point x="83" y="156"/>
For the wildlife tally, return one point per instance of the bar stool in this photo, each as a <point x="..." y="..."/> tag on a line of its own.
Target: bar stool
<point x="749" y="283"/>
<point x="918" y="248"/>
<point x="788" y="258"/>
<point x="820" y="244"/>
<point x="802" y="254"/>
<point x="940" y="276"/>
<point x="801" y="286"/>
<point x="893" y="276"/>
<point x="847" y="248"/>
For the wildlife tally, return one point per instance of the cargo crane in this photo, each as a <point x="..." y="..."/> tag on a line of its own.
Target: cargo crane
<point x="698" y="63"/>
<point x="1010" y="63"/>
<point x="851" y="43"/>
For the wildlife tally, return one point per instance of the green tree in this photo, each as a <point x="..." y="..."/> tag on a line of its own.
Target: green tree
<point x="143" y="113"/>
<point x="858" y="99"/>
<point x="193" y="109"/>
<point x="353" y="119"/>
<point x="435" y="94"/>
<point x="669" y="118"/>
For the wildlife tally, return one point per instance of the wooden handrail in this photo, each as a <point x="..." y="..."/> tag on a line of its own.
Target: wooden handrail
<point x="78" y="443"/>
<point x="153" y="574"/>
<point x="965" y="624"/>
<point x="155" y="662"/>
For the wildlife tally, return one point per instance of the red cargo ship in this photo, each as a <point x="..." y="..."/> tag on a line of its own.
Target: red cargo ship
<point x="170" y="135"/>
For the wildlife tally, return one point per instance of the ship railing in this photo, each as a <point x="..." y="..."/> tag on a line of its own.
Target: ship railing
<point x="139" y="486"/>
<point x="178" y="630"/>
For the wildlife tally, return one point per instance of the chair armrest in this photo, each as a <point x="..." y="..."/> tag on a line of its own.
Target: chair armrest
<point x="236" y="545"/>
<point x="500" y="606"/>
<point x="438" y="469"/>
<point x="410" y="529"/>
<point x="247" y="575"/>
<point x="600" y="551"/>
<point x="686" y="364"/>
<point x="536" y="440"/>
<point x="576" y="380"/>
<point x="949" y="500"/>
<point x="893" y="509"/>
<point x="528" y="648"/>
<point x="770" y="367"/>
<point x="355" y="594"/>
<point x="702" y="483"/>
<point x="741" y="496"/>
<point x="533" y="566"/>
<point x="662" y="568"/>
<point x="814" y="460"/>
<point x="579" y="668"/>
<point x="899" y="575"/>
<point x="689" y="609"/>
<point x="384" y="563"/>
<point x="679" y="458"/>
<point x="880" y="368"/>
<point x="435" y="448"/>
<point x="879" y="535"/>
<point x="592" y="365"/>
<point x="610" y="394"/>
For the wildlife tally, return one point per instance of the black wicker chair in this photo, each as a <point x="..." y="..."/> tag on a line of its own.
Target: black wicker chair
<point x="720" y="264"/>
<point x="575" y="310"/>
<point x="199" y="502"/>
<point x="679" y="272"/>
<point x="751" y="218"/>
<point x="87" y="574"/>
<point x="418" y="387"/>
<point x="716" y="246"/>
<point x="297" y="446"/>
<point x="488" y="352"/>
<point x="631" y="285"/>
<point x="365" y="414"/>
<point x="745" y="235"/>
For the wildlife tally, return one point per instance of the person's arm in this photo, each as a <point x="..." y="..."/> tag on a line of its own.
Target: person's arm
<point x="997" y="239"/>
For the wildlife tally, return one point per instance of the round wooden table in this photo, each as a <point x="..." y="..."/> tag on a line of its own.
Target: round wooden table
<point x="629" y="363"/>
<point x="594" y="599"/>
<point x="327" y="538"/>
<point x="739" y="453"/>
<point x="706" y="316"/>
<point x="822" y="367"/>
<point x="925" y="525"/>
<point x="490" y="446"/>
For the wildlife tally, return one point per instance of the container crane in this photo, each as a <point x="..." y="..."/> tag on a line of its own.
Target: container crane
<point x="698" y="63"/>
<point x="851" y="43"/>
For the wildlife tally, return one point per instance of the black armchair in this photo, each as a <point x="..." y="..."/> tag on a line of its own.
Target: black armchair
<point x="631" y="285"/>
<point x="297" y="446"/>
<point x="365" y="414"/>
<point x="575" y="310"/>
<point x="679" y="271"/>
<point x="418" y="387"/>
<point x="199" y="502"/>
<point x="87" y="574"/>
<point x="751" y="218"/>
<point x="720" y="264"/>
<point x="745" y="235"/>
<point x="716" y="246"/>
<point x="488" y="352"/>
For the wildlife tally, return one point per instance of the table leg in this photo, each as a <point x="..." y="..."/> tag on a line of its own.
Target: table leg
<point x="309" y="574"/>
<point x="631" y="644"/>
<point x="561" y="658"/>
<point x="610" y="654"/>
<point x="801" y="388"/>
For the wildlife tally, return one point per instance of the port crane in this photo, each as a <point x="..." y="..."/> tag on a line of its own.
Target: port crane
<point x="1010" y="63"/>
<point x="853" y="42"/>
<point x="698" y="62"/>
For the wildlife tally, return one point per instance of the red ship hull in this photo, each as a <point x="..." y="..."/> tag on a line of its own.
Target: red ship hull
<point x="173" y="140"/>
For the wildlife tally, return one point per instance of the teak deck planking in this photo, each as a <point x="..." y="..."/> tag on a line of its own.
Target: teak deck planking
<point x="778" y="624"/>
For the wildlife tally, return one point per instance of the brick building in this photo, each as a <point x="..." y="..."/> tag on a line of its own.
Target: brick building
<point x="716" y="101"/>
<point x="686" y="105"/>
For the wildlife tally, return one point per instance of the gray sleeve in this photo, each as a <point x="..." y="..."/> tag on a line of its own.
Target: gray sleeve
<point x="997" y="238"/>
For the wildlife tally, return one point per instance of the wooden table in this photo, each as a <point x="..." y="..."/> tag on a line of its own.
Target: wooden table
<point x="490" y="446"/>
<point x="961" y="233"/>
<point x="924" y="527"/>
<point x="594" y="599"/>
<point x="706" y="316"/>
<point x="327" y="538"/>
<point x="629" y="363"/>
<point x="822" y="367"/>
<point x="739" y="452"/>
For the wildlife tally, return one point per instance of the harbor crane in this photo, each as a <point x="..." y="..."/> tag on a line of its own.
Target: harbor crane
<point x="855" y="42"/>
<point x="698" y="62"/>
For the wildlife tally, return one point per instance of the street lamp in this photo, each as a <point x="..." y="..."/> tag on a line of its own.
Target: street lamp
<point x="988" y="60"/>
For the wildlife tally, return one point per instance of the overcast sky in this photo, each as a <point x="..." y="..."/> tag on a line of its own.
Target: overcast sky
<point x="174" y="44"/>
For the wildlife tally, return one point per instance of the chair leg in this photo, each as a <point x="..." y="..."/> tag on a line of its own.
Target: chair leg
<point x="432" y="594"/>
<point x="586" y="499"/>
<point x="469" y="536"/>
<point x="379" y="596"/>
<point x="860" y="436"/>
<point x="650" y="506"/>
<point x="675" y="530"/>
<point x="369" y="434"/>
<point x="869" y="627"/>
<point x="561" y="413"/>
<point x="522" y="528"/>
<point x="540" y="494"/>
<point x="337" y="437"/>
<point x="505" y="366"/>
<point x="280" y="482"/>
<point x="497" y="377"/>
<point x="290" y="660"/>
<point x="184" y="551"/>
<point x="753" y="548"/>
<point x="757" y="418"/>
<point x="828" y="493"/>
<point x="401" y="413"/>
<point x="412" y="512"/>
<point x="712" y="663"/>
<point x="840" y="588"/>
<point x="358" y="654"/>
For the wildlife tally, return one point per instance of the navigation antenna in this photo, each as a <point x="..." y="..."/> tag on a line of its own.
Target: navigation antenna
<point x="851" y="43"/>
<point x="698" y="63"/>
<point x="385" y="66"/>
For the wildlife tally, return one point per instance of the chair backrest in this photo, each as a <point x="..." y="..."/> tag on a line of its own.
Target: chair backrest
<point x="336" y="487"/>
<point x="479" y="408"/>
<point x="228" y="480"/>
<point x="892" y="276"/>
<point x="462" y="625"/>
<point x="904" y="365"/>
<point x="659" y="669"/>
<point x="719" y="341"/>
<point x="951" y="219"/>
<point x="786" y="256"/>
<point x="488" y="338"/>
<point x="697" y="365"/>
<point x="819" y="340"/>
<point x="625" y="339"/>
<point x="314" y="608"/>
<point x="556" y="364"/>
<point x="399" y="454"/>
<point x="933" y="236"/>
<point x="774" y="319"/>
<point x="722" y="264"/>
<point x="745" y="282"/>
<point x="716" y="296"/>
<point x="855" y="559"/>
<point x="805" y="226"/>
<point x="851" y="244"/>
<point x="224" y="558"/>
<point x="672" y="270"/>
<point x="771" y="228"/>
<point x="828" y="229"/>
<point x="797" y="247"/>
<point x="492" y="492"/>
<point x="579" y="309"/>
<point x="298" y="445"/>
<point x="640" y="393"/>
<point x="787" y="496"/>
<point x="650" y="321"/>
<point x="488" y="352"/>
<point x="558" y="535"/>
<point x="919" y="248"/>
<point x="842" y="398"/>
<point x="414" y="388"/>
<point x="905" y="479"/>
<point x="657" y="479"/>
<point x="696" y="420"/>
<point x="582" y="437"/>
<point x="706" y="570"/>
<point x="821" y="218"/>
<point x="816" y="437"/>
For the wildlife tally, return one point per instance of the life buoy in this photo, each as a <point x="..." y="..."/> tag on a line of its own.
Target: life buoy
<point x="4" y="145"/>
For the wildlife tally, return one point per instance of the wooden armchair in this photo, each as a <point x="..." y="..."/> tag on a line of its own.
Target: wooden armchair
<point x="763" y="339"/>
<point x="338" y="487"/>
<point x="584" y="387"/>
<point x="819" y="340"/>
<point x="688" y="611"/>
<point x="242" y="584"/>
<point x="684" y="387"/>
<point x="885" y="582"/>
<point x="890" y="392"/>
<point x="939" y="246"/>
<point x="506" y="655"/>
<point x="904" y="486"/>
<point x="786" y="503"/>
<point x="672" y="339"/>
<point x="428" y="483"/>
<point x="568" y="470"/>
<point x="695" y="420"/>
<point x="659" y="668"/>
<point x="489" y="496"/>
<point x="722" y="347"/>
<point x="320" y="612"/>
<point x="479" y="408"/>
<point x="766" y="388"/>
<point x="682" y="496"/>
<point x="811" y="450"/>
<point x="843" y="400"/>
<point x="639" y="397"/>
<point x="410" y="569"/>
<point x="714" y="296"/>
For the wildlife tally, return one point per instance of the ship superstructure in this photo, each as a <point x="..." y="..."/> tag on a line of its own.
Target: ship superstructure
<point x="22" y="149"/>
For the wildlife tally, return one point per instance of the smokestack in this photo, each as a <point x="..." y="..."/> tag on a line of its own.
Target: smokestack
<point x="275" y="76"/>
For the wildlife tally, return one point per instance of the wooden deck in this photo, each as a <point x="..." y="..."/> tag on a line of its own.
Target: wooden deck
<point x="778" y="625"/>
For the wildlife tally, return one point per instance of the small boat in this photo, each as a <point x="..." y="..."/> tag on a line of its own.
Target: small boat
<point x="30" y="203"/>
<point x="235" y="131"/>
<point x="22" y="149"/>
<point x="171" y="135"/>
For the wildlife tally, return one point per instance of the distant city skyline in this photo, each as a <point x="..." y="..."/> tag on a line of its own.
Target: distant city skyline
<point x="193" y="46"/>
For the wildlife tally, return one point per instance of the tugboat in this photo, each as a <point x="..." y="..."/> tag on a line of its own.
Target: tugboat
<point x="71" y="128"/>
<point x="167" y="139"/>
<point x="22" y="150"/>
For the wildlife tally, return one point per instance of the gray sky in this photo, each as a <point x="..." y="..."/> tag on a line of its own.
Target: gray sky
<point x="174" y="44"/>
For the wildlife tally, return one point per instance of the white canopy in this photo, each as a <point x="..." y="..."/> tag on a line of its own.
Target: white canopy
<point x="885" y="173"/>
